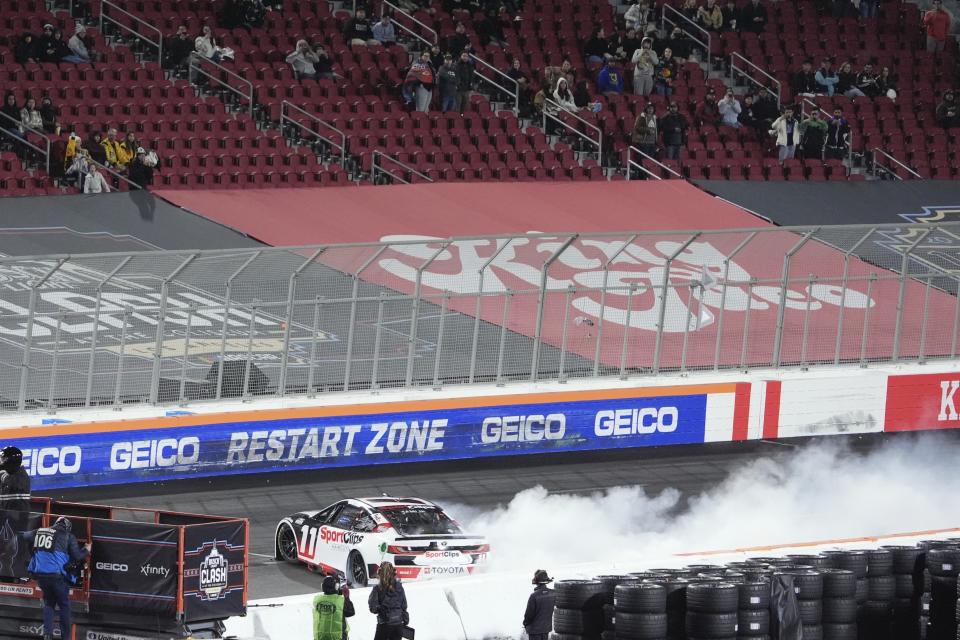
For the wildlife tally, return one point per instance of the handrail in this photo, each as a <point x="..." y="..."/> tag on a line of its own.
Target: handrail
<point x="516" y="83"/>
<point x="115" y="174"/>
<point x="342" y="146"/>
<point x="705" y="44"/>
<point x="873" y="157"/>
<point x="598" y="141"/>
<point x="735" y="69"/>
<point x="807" y="101"/>
<point x="158" y="44"/>
<point x="630" y="162"/>
<point x="375" y="168"/>
<point x="24" y="129"/>
<point x="195" y="65"/>
<point x="398" y="10"/>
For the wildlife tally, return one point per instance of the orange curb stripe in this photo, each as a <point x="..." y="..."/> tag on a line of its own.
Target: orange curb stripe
<point x="818" y="543"/>
<point x="359" y="409"/>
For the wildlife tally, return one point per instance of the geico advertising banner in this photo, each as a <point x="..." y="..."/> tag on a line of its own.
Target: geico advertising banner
<point x="165" y="449"/>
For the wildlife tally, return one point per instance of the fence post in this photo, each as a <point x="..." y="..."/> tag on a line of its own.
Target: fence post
<point x="843" y="292"/>
<point x="247" y="364"/>
<point x="503" y="337"/>
<point x="866" y="323"/>
<point x="291" y="296"/>
<point x="563" y="338"/>
<point x="53" y="365"/>
<point x="96" y="326"/>
<point x="123" y="347"/>
<point x="28" y="346"/>
<point x="348" y="366"/>
<point x="746" y="324"/>
<point x="626" y="332"/>
<point x="921" y="356"/>
<point x="445" y="302"/>
<point x="226" y="319"/>
<point x="186" y="356"/>
<point x="541" y="300"/>
<point x="415" y="313"/>
<point x="477" y="312"/>
<point x="781" y="312"/>
<point x="662" y="314"/>
<point x="901" y="296"/>
<point x="313" y="346"/>
<point x="956" y="322"/>
<point x="161" y="324"/>
<point x="723" y="296"/>
<point x="806" y="323"/>
<point x="603" y="302"/>
<point x="375" y="364"/>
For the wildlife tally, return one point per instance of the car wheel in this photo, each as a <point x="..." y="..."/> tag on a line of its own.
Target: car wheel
<point x="287" y="544"/>
<point x="356" y="571"/>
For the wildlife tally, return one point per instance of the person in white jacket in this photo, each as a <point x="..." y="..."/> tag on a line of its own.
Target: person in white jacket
<point x="787" y="130"/>
<point x="564" y="97"/>
<point x="95" y="182"/>
<point x="77" y="46"/>
<point x="303" y="59"/>
<point x="645" y="61"/>
<point x="730" y="109"/>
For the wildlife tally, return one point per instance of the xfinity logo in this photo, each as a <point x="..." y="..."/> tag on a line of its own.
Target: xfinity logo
<point x="112" y="566"/>
<point x="150" y="570"/>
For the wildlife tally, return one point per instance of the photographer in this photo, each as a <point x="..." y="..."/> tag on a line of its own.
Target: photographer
<point x="331" y="610"/>
<point x="389" y="603"/>
<point x="14" y="481"/>
<point x="53" y="548"/>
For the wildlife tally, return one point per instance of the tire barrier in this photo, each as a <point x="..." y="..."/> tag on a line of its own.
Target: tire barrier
<point x="896" y="592"/>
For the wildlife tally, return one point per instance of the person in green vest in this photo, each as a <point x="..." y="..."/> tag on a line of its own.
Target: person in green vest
<point x="331" y="610"/>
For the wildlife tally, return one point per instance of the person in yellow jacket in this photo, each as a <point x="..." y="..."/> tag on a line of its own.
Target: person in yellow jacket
<point x="331" y="610"/>
<point x="128" y="148"/>
<point x="116" y="155"/>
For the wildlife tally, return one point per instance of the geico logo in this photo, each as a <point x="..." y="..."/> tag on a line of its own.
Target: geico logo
<point x="340" y="537"/>
<point x="523" y="428"/>
<point x="628" y="422"/>
<point x="111" y="566"/>
<point x="50" y="461"/>
<point x="145" y="454"/>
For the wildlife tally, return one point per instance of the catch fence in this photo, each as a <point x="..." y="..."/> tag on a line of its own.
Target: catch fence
<point x="173" y="327"/>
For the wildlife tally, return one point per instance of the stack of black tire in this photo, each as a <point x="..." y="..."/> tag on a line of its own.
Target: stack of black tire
<point x="839" y="604"/>
<point x="908" y="577"/>
<point x="753" y="608"/>
<point x="875" y="620"/>
<point x="712" y="610"/>
<point x="640" y="611"/>
<point x="943" y="563"/>
<point x="578" y="612"/>
<point x="808" y="585"/>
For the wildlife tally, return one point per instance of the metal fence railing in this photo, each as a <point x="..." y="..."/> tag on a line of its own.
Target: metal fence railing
<point x="171" y="327"/>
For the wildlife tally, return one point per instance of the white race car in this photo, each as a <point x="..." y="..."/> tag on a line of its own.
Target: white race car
<point x="352" y="537"/>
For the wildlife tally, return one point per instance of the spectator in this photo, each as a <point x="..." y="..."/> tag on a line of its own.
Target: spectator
<point x="679" y="44"/>
<point x="674" y="127"/>
<point x="111" y="148"/>
<point x="538" y="616"/>
<point x="749" y="118"/>
<point x="128" y="148"/>
<point x="14" y="481"/>
<point x="666" y="74"/>
<point x="710" y="16"/>
<point x="384" y="32"/>
<point x="140" y="173"/>
<point x="205" y="45"/>
<point x="436" y="56"/>
<point x="826" y="77"/>
<point x="568" y="72"/>
<point x="357" y="31"/>
<point x="423" y="72"/>
<point x="81" y="46"/>
<point x="645" y="61"/>
<point x="813" y="134"/>
<point x="304" y="59"/>
<point x="805" y="81"/>
<point x="867" y="81"/>
<point x="632" y="18"/>
<point x="516" y="71"/>
<point x="525" y="99"/>
<point x="458" y="41"/>
<point x="46" y="45"/>
<point x="597" y="48"/>
<point x="465" y="75"/>
<point x="787" y="133"/>
<point x="490" y="29"/>
<point x="447" y="81"/>
<point x="26" y="49"/>
<point x="937" y="22"/>
<point x="950" y="118"/>
<point x="563" y="97"/>
<point x="709" y="110"/>
<point x="73" y="149"/>
<point x="766" y="109"/>
<point x="581" y="94"/>
<point x="177" y="48"/>
<point x="10" y="122"/>
<point x="838" y="136"/>
<point x="63" y="52"/>
<point x="627" y="45"/>
<point x="730" y="110"/>
<point x="389" y="603"/>
<point x="645" y="131"/>
<point x="753" y="17"/>
<point x="847" y="82"/>
<point x="253" y="13"/>
<point x="689" y="9"/>
<point x="887" y="83"/>
<point x="79" y="168"/>
<point x="95" y="147"/>
<point x="30" y="117"/>
<point x="50" y="116"/>
<point x="948" y="102"/>
<point x="731" y="16"/>
<point x="610" y="79"/>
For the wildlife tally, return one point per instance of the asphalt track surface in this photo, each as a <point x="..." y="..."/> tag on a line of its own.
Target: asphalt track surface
<point x="265" y="498"/>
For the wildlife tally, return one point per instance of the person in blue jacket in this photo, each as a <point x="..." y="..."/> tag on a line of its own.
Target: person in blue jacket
<point x="54" y="547"/>
<point x="610" y="80"/>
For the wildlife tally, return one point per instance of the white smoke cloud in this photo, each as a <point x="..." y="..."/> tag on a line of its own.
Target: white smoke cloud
<point x="818" y="492"/>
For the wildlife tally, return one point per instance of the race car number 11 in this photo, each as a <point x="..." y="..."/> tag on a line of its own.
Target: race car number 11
<point x="308" y="540"/>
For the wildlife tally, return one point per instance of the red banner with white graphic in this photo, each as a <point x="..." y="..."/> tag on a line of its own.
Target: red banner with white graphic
<point x="916" y="403"/>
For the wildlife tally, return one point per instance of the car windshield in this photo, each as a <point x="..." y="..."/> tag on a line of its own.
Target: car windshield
<point x="408" y="520"/>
